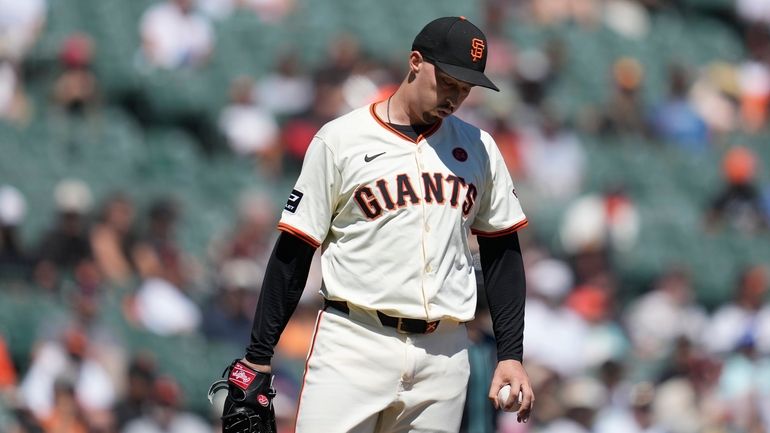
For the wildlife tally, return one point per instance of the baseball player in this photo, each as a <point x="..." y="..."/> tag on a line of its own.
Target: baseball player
<point x="391" y="192"/>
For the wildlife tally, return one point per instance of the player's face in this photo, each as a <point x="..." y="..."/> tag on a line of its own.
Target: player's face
<point x="440" y="94"/>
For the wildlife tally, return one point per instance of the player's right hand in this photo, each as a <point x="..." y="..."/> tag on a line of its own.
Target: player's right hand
<point x="512" y="372"/>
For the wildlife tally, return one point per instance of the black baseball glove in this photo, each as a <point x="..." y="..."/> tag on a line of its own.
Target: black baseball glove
<point x="248" y="407"/>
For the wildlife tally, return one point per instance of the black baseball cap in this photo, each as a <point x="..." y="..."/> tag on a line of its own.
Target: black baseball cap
<point x="457" y="47"/>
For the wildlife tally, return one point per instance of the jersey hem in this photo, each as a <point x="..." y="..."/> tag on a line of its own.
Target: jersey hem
<point x="300" y="234"/>
<point x="509" y="230"/>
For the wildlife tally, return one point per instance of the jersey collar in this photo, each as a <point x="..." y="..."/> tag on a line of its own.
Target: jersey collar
<point x="384" y="124"/>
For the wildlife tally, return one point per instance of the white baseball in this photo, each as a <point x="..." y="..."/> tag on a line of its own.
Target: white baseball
<point x="502" y="397"/>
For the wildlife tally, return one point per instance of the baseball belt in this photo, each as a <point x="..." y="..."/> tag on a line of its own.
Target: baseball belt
<point x="403" y="325"/>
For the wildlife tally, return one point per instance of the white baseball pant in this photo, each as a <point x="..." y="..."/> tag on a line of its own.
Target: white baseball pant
<point x="363" y="377"/>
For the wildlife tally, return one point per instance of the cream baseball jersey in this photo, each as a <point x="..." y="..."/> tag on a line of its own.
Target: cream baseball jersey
<point x="393" y="215"/>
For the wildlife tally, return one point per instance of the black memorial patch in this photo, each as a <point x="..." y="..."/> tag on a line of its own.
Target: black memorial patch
<point x="293" y="202"/>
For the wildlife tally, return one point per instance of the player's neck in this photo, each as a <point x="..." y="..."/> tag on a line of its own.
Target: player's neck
<point x="396" y="111"/>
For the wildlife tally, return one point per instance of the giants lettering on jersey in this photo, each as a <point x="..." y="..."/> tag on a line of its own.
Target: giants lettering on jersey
<point x="438" y="188"/>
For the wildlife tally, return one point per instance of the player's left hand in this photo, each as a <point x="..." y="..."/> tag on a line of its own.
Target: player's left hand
<point x="513" y="373"/>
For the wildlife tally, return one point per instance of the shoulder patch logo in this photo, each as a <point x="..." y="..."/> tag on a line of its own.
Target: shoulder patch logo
<point x="460" y="154"/>
<point x="293" y="202"/>
<point x="477" y="49"/>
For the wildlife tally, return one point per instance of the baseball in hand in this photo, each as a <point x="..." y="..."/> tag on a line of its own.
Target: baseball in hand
<point x="502" y="397"/>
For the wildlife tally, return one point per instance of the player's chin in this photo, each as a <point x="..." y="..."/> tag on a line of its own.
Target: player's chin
<point x="442" y="113"/>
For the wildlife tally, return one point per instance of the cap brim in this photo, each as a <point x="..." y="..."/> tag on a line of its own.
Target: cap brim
<point x="467" y="75"/>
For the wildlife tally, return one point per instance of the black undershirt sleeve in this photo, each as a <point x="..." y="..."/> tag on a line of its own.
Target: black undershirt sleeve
<point x="285" y="278"/>
<point x="505" y="287"/>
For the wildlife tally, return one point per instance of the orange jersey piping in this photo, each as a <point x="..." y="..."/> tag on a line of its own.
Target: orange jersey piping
<point x="300" y="234"/>
<point x="307" y="362"/>
<point x="503" y="232"/>
<point x="382" y="123"/>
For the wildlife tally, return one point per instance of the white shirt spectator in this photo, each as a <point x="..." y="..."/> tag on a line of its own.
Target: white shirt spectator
<point x="248" y="128"/>
<point x="173" y="38"/>
<point x="164" y="309"/>
<point x="93" y="387"/>
<point x="285" y="94"/>
<point x="20" y="23"/>
<point x="754" y="10"/>
<point x="589" y="223"/>
<point x="655" y="320"/>
<point x="731" y="325"/>
<point x="554" y="163"/>
<point x="555" y="337"/>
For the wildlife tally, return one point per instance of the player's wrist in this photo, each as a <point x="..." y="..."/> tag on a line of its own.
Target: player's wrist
<point x="262" y="368"/>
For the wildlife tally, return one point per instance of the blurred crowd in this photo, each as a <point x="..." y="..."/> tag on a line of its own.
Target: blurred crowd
<point x="601" y="361"/>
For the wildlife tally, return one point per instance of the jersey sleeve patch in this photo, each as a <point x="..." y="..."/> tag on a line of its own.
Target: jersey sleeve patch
<point x="294" y="198"/>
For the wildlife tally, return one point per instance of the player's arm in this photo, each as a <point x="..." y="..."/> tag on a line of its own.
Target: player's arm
<point x="285" y="278"/>
<point x="505" y="287"/>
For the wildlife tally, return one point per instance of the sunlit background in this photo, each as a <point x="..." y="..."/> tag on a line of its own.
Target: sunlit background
<point x="147" y="148"/>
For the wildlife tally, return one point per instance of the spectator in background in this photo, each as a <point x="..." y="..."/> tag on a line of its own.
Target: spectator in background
<point x="744" y="382"/>
<point x="624" y="113"/>
<point x="637" y="417"/>
<point x="658" y="318"/>
<point x="753" y="11"/>
<point x="287" y="90"/>
<point x="746" y="318"/>
<point x="76" y="90"/>
<point x="753" y="77"/>
<point x="228" y="314"/>
<point x="535" y="72"/>
<point x="21" y="23"/>
<point x="113" y="239"/>
<point x="70" y="358"/>
<point x="739" y="205"/>
<point x="270" y="11"/>
<point x="250" y="129"/>
<point x="686" y="399"/>
<point x="254" y="232"/>
<point x="65" y="247"/>
<point x="604" y="339"/>
<point x="137" y="398"/>
<point x="627" y="18"/>
<point x="160" y="304"/>
<point x="581" y="398"/>
<point x="175" y="36"/>
<point x="586" y="13"/>
<point x="14" y="104"/>
<point x="501" y="61"/>
<point x="328" y="102"/>
<point x="554" y="335"/>
<point x="715" y="96"/>
<point x="166" y="414"/>
<point x="7" y="371"/>
<point x="66" y="415"/>
<point x="14" y="260"/>
<point x="157" y="253"/>
<point x="508" y="141"/>
<point x="343" y="59"/>
<point x="675" y="120"/>
<point x="554" y="159"/>
<point x="605" y="222"/>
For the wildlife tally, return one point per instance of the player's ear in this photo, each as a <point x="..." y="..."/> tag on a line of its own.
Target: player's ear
<point x="415" y="62"/>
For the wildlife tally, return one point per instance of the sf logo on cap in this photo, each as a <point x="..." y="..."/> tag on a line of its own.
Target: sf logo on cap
<point x="477" y="49"/>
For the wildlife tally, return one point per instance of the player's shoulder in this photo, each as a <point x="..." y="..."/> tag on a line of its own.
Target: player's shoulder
<point x="469" y="132"/>
<point x="345" y="124"/>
